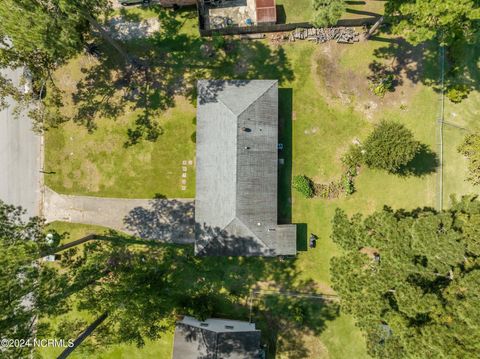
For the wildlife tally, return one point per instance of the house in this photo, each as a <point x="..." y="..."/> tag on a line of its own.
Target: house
<point x="237" y="171"/>
<point x="216" y="339"/>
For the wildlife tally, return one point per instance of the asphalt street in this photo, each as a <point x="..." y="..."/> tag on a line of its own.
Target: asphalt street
<point x="19" y="158"/>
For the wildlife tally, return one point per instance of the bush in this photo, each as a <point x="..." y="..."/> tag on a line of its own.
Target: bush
<point x="347" y="183"/>
<point x="327" y="12"/>
<point x="304" y="185"/>
<point x="457" y="93"/>
<point x="390" y="147"/>
<point x="353" y="158"/>
<point x="381" y="88"/>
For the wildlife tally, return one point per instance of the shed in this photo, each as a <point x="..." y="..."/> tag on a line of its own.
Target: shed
<point x="266" y="11"/>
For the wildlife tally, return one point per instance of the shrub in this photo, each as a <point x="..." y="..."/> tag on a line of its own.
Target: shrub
<point x="390" y="146"/>
<point x="470" y="148"/>
<point x="386" y="84"/>
<point x="327" y="12"/>
<point x="347" y="183"/>
<point x="457" y="93"/>
<point x="353" y="158"/>
<point x="304" y="185"/>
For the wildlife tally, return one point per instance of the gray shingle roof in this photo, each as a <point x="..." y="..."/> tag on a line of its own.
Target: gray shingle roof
<point x="237" y="174"/>
<point x="216" y="339"/>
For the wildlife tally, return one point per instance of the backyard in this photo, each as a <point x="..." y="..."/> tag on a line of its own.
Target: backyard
<point x="325" y="105"/>
<point x="297" y="11"/>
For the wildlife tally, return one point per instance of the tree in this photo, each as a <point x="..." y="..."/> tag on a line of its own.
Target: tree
<point x="41" y="35"/>
<point x="327" y="12"/>
<point x="412" y="279"/>
<point x="446" y="20"/>
<point x="390" y="147"/>
<point x="470" y="148"/>
<point x="28" y="288"/>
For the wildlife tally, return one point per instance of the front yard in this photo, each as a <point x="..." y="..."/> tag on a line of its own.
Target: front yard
<point x="325" y="104"/>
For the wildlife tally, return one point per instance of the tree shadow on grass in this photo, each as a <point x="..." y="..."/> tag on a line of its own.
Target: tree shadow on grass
<point x="424" y="163"/>
<point x="422" y="63"/>
<point x="167" y="65"/>
<point x="145" y="287"/>
<point x="418" y="63"/>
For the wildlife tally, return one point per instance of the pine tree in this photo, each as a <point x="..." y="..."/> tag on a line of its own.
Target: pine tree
<point x="412" y="279"/>
<point x="390" y="147"/>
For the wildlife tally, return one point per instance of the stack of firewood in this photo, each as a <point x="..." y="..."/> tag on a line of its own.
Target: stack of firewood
<point x="344" y="35"/>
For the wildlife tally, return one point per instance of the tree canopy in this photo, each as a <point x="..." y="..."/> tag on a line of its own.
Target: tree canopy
<point x="28" y="289"/>
<point x="390" y="147"/>
<point x="41" y="35"/>
<point x="412" y="279"/>
<point x="423" y="20"/>
<point x="327" y="12"/>
<point x="470" y="148"/>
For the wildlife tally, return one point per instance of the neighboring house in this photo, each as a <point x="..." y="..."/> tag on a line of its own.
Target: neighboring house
<point x="216" y="339"/>
<point x="237" y="171"/>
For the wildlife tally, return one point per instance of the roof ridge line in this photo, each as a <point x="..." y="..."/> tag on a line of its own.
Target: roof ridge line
<point x="260" y="95"/>
<point x="256" y="237"/>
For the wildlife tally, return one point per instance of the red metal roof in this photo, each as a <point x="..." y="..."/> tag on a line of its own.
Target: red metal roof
<point x="265" y="3"/>
<point x="266" y="11"/>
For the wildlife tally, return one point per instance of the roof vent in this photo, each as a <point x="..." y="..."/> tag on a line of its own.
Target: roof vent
<point x="247" y="148"/>
<point x="246" y="129"/>
<point x="204" y="324"/>
<point x="259" y="224"/>
<point x="229" y="327"/>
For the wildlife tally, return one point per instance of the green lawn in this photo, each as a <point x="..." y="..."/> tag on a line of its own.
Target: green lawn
<point x="301" y="10"/>
<point x="152" y="349"/>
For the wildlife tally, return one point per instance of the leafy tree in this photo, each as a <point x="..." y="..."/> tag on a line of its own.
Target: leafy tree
<point x="28" y="288"/>
<point x="471" y="149"/>
<point x="390" y="147"/>
<point x="412" y="279"/>
<point x="303" y="185"/>
<point x="446" y="20"/>
<point x="41" y="35"/>
<point x="327" y="12"/>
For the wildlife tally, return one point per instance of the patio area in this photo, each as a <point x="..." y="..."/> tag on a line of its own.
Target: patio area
<point x="231" y="13"/>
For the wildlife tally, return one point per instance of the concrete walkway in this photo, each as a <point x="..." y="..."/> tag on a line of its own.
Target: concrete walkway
<point x="169" y="220"/>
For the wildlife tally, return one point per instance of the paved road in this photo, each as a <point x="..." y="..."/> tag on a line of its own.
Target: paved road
<point x="168" y="220"/>
<point x="19" y="158"/>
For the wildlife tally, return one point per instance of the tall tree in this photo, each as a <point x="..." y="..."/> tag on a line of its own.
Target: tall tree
<point x="412" y="279"/>
<point x="446" y="20"/>
<point x="470" y="148"/>
<point x="28" y="288"/>
<point x="327" y="12"/>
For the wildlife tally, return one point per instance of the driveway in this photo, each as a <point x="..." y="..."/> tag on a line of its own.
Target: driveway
<point x="168" y="220"/>
<point x="20" y="157"/>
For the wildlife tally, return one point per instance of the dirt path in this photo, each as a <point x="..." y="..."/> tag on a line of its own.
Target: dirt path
<point x="169" y="220"/>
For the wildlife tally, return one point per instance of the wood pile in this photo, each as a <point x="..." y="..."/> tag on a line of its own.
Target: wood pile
<point x="344" y="35"/>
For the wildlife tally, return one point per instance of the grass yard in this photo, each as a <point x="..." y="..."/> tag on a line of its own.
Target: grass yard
<point x="293" y="11"/>
<point x="160" y="349"/>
